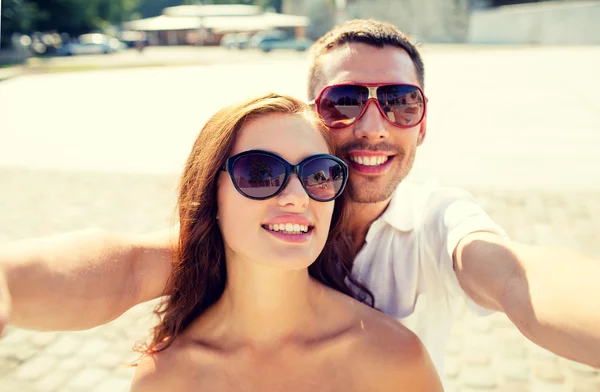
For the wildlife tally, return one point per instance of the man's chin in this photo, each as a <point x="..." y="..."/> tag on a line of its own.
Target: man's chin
<point x="369" y="190"/>
<point x="378" y="189"/>
<point x="371" y="195"/>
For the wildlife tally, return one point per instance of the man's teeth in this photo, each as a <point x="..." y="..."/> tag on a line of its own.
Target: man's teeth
<point x="289" y="228"/>
<point x="369" y="161"/>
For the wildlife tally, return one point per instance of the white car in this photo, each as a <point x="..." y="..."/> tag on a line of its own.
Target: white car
<point x="236" y="40"/>
<point x="92" y="44"/>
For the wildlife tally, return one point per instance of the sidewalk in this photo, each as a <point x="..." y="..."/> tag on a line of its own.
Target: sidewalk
<point x="158" y="56"/>
<point x="485" y="354"/>
<point x="9" y="72"/>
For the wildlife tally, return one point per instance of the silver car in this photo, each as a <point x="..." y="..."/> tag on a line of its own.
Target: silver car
<point x="92" y="44"/>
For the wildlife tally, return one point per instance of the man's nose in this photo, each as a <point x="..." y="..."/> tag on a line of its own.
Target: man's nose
<point x="372" y="125"/>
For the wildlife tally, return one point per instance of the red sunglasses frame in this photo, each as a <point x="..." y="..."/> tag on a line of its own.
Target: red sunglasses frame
<point x="372" y="97"/>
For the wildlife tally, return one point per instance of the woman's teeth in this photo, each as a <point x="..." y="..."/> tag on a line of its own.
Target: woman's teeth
<point x="369" y="161"/>
<point x="288" y="228"/>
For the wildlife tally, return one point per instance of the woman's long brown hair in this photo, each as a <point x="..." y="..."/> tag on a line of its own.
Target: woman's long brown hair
<point x="199" y="274"/>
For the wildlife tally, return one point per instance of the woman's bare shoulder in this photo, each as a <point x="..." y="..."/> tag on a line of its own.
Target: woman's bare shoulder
<point x="391" y="357"/>
<point x="151" y="373"/>
<point x="160" y="371"/>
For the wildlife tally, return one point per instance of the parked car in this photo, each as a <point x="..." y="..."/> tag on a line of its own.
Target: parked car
<point x="92" y="44"/>
<point x="236" y="40"/>
<point x="267" y="44"/>
<point x="269" y="34"/>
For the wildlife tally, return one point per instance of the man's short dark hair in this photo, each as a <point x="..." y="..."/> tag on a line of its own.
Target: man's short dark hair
<point x="365" y="31"/>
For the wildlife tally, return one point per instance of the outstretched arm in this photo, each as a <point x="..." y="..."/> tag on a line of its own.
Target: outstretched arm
<point x="551" y="295"/>
<point x="81" y="280"/>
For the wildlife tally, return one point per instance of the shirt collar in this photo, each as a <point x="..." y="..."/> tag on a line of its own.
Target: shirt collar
<point x="400" y="212"/>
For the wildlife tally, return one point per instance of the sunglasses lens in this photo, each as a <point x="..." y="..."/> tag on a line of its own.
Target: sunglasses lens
<point x="341" y="105"/>
<point x="258" y="176"/>
<point x="403" y="105"/>
<point x="324" y="178"/>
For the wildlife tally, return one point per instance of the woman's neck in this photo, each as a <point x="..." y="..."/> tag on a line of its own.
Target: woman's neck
<point x="263" y="305"/>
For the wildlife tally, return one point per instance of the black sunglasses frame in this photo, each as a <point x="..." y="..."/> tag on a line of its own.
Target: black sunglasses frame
<point x="289" y="170"/>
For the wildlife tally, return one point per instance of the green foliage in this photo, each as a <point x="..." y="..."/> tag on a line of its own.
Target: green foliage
<point x="19" y="15"/>
<point x="498" y="3"/>
<point x="148" y="8"/>
<point x="276" y="5"/>
<point x="68" y="16"/>
<point x="247" y="2"/>
<point x="81" y="16"/>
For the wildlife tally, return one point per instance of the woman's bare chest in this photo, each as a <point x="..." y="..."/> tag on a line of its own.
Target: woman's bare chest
<point x="285" y="373"/>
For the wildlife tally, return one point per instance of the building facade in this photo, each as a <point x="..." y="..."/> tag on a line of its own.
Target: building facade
<point x="425" y="20"/>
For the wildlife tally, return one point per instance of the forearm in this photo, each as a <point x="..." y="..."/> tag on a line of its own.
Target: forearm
<point x="72" y="281"/>
<point x="553" y="297"/>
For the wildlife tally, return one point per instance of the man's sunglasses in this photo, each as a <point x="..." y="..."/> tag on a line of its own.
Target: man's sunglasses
<point x="342" y="105"/>
<point x="261" y="175"/>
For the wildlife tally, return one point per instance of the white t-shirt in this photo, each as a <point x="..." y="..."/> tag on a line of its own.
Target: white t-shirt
<point x="406" y="261"/>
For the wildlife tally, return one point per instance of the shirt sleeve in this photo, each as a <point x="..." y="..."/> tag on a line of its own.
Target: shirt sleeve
<point x="456" y="215"/>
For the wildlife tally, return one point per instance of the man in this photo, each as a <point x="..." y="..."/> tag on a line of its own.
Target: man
<point x="422" y="250"/>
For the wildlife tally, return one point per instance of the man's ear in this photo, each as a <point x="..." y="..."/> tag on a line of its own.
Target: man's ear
<point x="422" y="131"/>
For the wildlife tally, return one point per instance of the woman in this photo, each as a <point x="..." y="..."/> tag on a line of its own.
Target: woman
<point x="260" y="300"/>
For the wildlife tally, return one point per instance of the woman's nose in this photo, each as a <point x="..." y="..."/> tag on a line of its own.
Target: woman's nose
<point x="293" y="193"/>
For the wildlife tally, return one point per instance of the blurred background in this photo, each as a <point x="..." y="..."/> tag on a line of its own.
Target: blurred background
<point x="101" y="100"/>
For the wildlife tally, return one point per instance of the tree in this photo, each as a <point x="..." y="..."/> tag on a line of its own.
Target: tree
<point x="259" y="172"/>
<point x="83" y="16"/>
<point x="336" y="173"/>
<point x="117" y="11"/>
<point x="498" y="3"/>
<point x="18" y="16"/>
<point x="148" y="8"/>
<point x="64" y="16"/>
<point x="276" y="5"/>
<point x="319" y="177"/>
<point x="247" y="2"/>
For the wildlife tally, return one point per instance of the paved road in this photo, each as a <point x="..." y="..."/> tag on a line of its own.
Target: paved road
<point x="516" y="127"/>
<point x="500" y="118"/>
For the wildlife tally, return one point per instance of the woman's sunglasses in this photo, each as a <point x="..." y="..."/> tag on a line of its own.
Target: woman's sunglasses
<point x="342" y="105"/>
<point x="261" y="175"/>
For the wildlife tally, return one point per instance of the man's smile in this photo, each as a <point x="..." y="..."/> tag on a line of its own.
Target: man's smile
<point x="370" y="162"/>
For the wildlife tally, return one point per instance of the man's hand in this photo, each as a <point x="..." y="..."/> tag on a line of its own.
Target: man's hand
<point x="4" y="301"/>
<point x="551" y="295"/>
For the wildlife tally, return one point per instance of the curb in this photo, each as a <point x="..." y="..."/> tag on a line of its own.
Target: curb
<point x="9" y="73"/>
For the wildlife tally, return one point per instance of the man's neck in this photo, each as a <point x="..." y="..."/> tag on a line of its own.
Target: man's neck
<point x="362" y="216"/>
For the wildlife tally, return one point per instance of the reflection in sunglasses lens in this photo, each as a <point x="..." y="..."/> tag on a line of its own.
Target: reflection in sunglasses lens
<point x="341" y="105"/>
<point x="262" y="176"/>
<point x="258" y="175"/>
<point x="323" y="178"/>
<point x="403" y="105"/>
